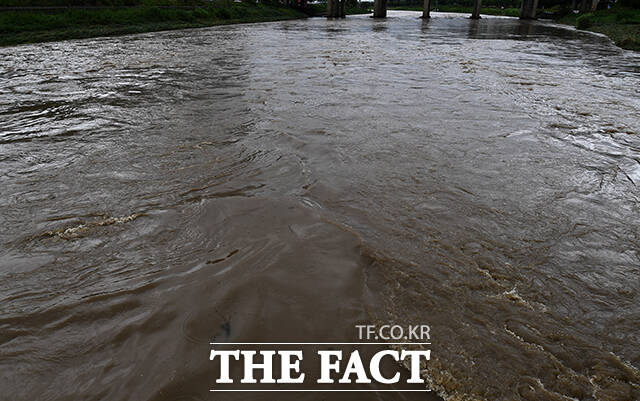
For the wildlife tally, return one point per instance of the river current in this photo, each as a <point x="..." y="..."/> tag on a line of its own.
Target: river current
<point x="286" y="181"/>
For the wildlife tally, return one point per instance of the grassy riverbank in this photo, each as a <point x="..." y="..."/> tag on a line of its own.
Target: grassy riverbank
<point x="17" y="27"/>
<point x="511" y="12"/>
<point x="622" y="25"/>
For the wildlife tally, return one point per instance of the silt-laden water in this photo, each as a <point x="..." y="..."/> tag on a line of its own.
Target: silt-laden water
<point x="287" y="181"/>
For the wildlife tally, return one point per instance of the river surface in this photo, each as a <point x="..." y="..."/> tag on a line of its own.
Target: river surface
<point x="286" y="181"/>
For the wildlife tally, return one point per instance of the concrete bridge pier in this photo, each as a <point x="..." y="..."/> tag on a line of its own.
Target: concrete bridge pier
<point x="427" y="9"/>
<point x="380" y="9"/>
<point x="475" y="14"/>
<point x="528" y="9"/>
<point x="335" y="8"/>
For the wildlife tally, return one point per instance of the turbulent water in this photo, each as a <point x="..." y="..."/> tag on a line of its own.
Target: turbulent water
<point x="286" y="181"/>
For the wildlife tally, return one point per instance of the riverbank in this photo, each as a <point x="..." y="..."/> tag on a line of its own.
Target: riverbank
<point x="19" y="27"/>
<point x="622" y="25"/>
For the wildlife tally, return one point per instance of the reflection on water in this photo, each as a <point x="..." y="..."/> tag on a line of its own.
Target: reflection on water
<point x="286" y="181"/>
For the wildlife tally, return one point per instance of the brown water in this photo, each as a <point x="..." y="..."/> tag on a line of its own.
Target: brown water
<point x="286" y="181"/>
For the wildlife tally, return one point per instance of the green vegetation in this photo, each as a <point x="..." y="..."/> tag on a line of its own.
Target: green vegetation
<point x="621" y="24"/>
<point x="315" y="10"/>
<point x="511" y="12"/>
<point x="18" y="27"/>
<point x="101" y="3"/>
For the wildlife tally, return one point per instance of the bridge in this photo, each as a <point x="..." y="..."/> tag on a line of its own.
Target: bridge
<point x="335" y="8"/>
